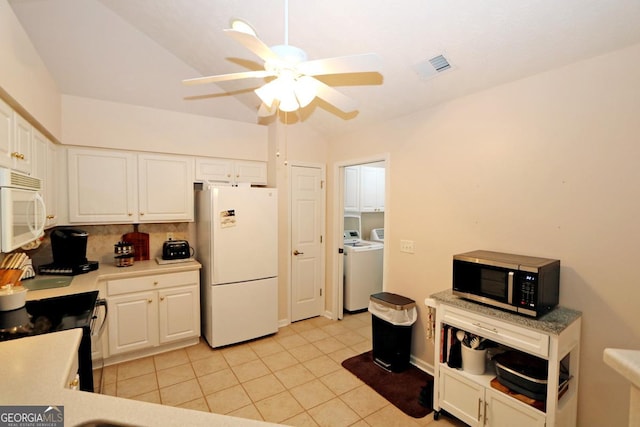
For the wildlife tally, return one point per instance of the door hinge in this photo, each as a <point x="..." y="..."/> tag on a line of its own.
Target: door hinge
<point x="321" y="238"/>
<point x="320" y="291"/>
<point x="321" y="185"/>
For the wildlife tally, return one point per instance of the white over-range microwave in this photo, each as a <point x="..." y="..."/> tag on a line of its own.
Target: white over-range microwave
<point x="22" y="210"/>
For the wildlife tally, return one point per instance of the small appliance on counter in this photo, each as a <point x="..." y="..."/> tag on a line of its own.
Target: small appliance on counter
<point x="69" y="248"/>
<point x="124" y="254"/>
<point x="176" y="249"/>
<point x="522" y="284"/>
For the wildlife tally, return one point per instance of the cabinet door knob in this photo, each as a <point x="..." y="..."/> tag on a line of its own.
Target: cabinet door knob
<point x="161" y="298"/>
<point x="130" y="214"/>
<point x="155" y="283"/>
<point x="149" y="300"/>
<point x="141" y="213"/>
<point x="17" y="155"/>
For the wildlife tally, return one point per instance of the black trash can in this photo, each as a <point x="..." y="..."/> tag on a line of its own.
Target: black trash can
<point x="392" y="319"/>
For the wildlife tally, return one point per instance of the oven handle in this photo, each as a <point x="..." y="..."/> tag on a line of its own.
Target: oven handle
<point x="102" y="302"/>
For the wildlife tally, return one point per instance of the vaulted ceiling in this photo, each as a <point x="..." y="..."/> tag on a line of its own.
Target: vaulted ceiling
<point x="138" y="51"/>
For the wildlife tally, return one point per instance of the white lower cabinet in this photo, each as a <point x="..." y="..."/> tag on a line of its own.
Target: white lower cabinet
<point x="477" y="405"/>
<point x="150" y="311"/>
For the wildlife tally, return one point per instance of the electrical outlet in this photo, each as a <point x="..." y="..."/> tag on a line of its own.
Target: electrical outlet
<point x="169" y="236"/>
<point x="406" y="246"/>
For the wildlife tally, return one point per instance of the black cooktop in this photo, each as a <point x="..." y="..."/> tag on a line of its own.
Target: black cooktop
<point x="48" y="315"/>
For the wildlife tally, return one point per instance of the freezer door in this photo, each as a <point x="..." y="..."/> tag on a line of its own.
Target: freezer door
<point x="241" y="311"/>
<point x="244" y="223"/>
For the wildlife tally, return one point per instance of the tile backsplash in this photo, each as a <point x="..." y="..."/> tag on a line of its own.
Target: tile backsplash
<point x="102" y="238"/>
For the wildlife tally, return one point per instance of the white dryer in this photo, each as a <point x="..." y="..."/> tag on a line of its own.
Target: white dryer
<point x="377" y="235"/>
<point x="362" y="270"/>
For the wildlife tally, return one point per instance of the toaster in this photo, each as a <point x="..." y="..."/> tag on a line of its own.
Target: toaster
<point x="176" y="249"/>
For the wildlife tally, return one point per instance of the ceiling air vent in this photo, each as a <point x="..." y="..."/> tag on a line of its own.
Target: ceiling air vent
<point x="431" y="67"/>
<point x="440" y="63"/>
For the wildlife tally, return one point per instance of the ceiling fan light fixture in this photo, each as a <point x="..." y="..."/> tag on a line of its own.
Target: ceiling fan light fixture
<point x="269" y="92"/>
<point x="288" y="102"/>
<point x="242" y="26"/>
<point x="305" y="90"/>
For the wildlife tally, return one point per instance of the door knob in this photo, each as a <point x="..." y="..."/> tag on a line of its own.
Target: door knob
<point x="296" y="252"/>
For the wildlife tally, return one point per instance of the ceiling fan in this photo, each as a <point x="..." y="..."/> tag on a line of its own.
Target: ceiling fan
<point x="292" y="83"/>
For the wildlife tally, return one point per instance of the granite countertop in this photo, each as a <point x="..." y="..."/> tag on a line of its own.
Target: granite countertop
<point x="625" y="362"/>
<point x="553" y="322"/>
<point x="90" y="281"/>
<point x="38" y="368"/>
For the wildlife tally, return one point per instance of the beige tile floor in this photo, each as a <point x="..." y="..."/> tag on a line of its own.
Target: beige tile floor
<point x="294" y="378"/>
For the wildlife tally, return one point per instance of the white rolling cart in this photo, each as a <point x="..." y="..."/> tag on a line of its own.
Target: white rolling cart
<point x="477" y="399"/>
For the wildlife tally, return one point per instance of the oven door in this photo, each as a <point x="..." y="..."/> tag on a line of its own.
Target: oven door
<point x="485" y="283"/>
<point x="23" y="217"/>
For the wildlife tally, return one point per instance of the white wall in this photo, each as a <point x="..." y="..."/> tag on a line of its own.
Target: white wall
<point x="98" y="123"/>
<point x="23" y="75"/>
<point x="544" y="166"/>
<point x="295" y="143"/>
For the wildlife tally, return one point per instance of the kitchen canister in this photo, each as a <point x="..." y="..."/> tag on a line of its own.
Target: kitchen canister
<point x="473" y="360"/>
<point x="124" y="254"/>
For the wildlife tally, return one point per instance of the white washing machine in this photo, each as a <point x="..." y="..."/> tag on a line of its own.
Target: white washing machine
<point x="362" y="270"/>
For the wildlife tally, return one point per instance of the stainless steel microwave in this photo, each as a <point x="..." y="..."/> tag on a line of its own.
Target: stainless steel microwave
<point x="519" y="283"/>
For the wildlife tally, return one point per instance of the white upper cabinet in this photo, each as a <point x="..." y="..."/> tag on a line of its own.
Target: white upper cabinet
<point x="15" y="140"/>
<point x="6" y="134"/>
<point x="364" y="188"/>
<point x="44" y="161"/>
<point x="51" y="183"/>
<point x="352" y="188"/>
<point x="109" y="186"/>
<point x="22" y="134"/>
<point x="371" y="189"/>
<point x="165" y="188"/>
<point x="231" y="171"/>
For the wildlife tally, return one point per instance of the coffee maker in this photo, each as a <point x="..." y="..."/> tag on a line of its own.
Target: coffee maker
<point x="69" y="248"/>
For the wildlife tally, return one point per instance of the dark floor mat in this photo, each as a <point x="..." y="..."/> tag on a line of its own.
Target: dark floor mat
<point x="410" y="391"/>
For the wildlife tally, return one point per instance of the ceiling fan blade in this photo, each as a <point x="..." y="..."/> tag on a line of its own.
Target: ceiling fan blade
<point x="335" y="98"/>
<point x="366" y="62"/>
<point x="252" y="43"/>
<point x="224" y="77"/>
<point x="265" y="111"/>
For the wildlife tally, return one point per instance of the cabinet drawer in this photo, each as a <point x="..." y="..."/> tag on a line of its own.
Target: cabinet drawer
<point x="514" y="336"/>
<point x="156" y="281"/>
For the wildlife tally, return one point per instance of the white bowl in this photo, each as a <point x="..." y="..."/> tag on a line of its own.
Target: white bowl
<point x="12" y="297"/>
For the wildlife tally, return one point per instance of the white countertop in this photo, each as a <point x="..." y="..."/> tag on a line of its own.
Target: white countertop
<point x="90" y="281"/>
<point x="34" y="371"/>
<point x="625" y="362"/>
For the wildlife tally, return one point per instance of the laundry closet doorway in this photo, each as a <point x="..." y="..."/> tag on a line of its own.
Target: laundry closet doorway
<point x="362" y="191"/>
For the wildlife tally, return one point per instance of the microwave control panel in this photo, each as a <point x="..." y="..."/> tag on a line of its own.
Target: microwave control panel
<point x="528" y="284"/>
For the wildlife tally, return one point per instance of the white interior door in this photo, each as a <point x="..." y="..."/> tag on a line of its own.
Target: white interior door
<point x="307" y="247"/>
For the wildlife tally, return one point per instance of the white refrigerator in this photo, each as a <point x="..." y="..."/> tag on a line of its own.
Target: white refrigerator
<point x="237" y="245"/>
